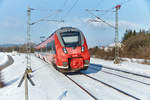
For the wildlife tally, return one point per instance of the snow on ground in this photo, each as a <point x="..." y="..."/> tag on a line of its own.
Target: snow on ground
<point x="53" y="85"/>
<point x="99" y="90"/>
<point x="134" y="60"/>
<point x="3" y="58"/>
<point x="125" y="66"/>
<point x="49" y="83"/>
<point x="134" y="88"/>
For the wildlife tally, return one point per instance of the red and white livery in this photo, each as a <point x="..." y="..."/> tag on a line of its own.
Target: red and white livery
<point x="66" y="49"/>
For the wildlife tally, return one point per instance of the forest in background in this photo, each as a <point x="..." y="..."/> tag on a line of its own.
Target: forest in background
<point x="133" y="45"/>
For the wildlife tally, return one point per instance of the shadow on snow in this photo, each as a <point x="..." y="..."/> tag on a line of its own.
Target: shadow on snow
<point x="91" y="69"/>
<point x="11" y="81"/>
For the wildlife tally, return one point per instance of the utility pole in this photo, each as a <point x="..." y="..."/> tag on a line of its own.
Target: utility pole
<point x="116" y="60"/>
<point x="28" y="46"/>
<point x="25" y="78"/>
<point x="28" y="69"/>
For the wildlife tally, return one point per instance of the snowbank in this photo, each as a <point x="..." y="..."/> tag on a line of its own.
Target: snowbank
<point x="128" y="66"/>
<point x="3" y="59"/>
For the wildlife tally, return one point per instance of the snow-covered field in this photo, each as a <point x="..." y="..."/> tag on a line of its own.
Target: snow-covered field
<point x="49" y="84"/>
<point x="53" y="85"/>
<point x="3" y="58"/>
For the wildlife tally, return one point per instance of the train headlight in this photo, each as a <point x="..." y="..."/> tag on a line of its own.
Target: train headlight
<point x="82" y="49"/>
<point x="65" y="51"/>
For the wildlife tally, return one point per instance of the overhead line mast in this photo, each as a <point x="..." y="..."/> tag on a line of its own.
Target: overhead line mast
<point x="28" y="69"/>
<point x="28" y="46"/>
<point x="116" y="59"/>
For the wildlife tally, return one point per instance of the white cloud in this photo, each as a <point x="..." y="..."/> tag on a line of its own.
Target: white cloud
<point x="122" y="24"/>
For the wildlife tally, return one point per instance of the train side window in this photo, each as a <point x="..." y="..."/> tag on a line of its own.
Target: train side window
<point x="48" y="46"/>
<point x="51" y="47"/>
<point x="54" y="49"/>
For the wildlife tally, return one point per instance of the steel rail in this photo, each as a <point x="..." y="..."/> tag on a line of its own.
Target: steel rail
<point x="120" y="70"/>
<point x="94" y="98"/>
<point x="121" y="76"/>
<point x="121" y="91"/>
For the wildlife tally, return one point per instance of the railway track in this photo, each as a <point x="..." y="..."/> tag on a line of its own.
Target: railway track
<point x="121" y="91"/>
<point x="97" y="65"/>
<point x="90" y="94"/>
<point x="121" y="76"/>
<point x="99" y="81"/>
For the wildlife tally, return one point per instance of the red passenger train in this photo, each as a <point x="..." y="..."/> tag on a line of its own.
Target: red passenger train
<point x="66" y="49"/>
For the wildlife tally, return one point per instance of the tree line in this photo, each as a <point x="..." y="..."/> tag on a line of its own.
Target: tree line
<point x="134" y="45"/>
<point x="18" y="48"/>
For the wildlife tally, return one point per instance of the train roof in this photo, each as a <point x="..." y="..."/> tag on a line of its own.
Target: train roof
<point x="60" y="30"/>
<point x="64" y="29"/>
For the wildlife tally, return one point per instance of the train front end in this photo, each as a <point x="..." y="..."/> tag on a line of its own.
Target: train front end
<point x="72" y="51"/>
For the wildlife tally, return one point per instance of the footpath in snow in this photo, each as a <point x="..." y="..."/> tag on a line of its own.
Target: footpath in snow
<point x="127" y="66"/>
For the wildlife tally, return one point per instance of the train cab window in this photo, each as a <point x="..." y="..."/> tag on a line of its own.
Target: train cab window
<point x="71" y="39"/>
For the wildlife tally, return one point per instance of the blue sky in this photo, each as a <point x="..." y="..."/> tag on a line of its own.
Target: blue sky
<point x="134" y="14"/>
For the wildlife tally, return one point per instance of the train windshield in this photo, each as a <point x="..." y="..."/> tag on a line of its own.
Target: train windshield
<point x="71" y="39"/>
